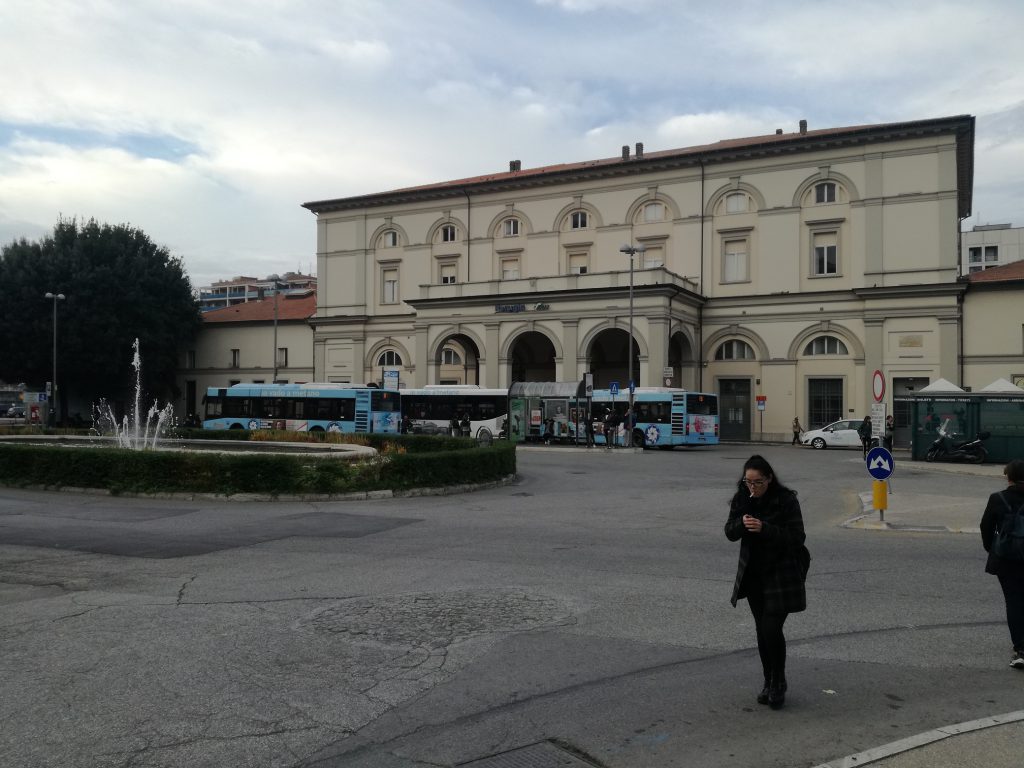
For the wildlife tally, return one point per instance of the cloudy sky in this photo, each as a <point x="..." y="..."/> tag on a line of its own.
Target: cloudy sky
<point x="207" y="124"/>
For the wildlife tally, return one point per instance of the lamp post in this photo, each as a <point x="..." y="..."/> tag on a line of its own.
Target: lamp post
<point x="55" y="297"/>
<point x="278" y="285"/>
<point x="631" y="250"/>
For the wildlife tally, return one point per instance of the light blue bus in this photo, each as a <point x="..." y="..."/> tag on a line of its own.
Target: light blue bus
<point x="303" y="408"/>
<point x="664" y="418"/>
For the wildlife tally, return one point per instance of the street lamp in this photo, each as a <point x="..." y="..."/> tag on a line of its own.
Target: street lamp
<point x="631" y="250"/>
<point x="55" y="297"/>
<point x="278" y="285"/>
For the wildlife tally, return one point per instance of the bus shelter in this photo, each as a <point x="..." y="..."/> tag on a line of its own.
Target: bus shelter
<point x="966" y="414"/>
<point x="547" y="410"/>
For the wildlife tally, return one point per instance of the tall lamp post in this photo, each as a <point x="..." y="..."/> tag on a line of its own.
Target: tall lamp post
<point x="631" y="250"/>
<point x="55" y="297"/>
<point x="278" y="285"/>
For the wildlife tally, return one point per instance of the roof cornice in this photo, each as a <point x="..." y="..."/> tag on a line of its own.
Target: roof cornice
<point x="774" y="145"/>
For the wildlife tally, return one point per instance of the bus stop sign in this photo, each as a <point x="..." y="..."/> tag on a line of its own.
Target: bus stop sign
<point x="880" y="463"/>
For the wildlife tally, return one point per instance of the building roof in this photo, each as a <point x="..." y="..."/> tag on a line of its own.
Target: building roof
<point x="298" y="305"/>
<point x="778" y="144"/>
<point x="1005" y="273"/>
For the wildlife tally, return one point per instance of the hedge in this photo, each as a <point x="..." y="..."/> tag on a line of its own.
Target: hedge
<point x="124" y="471"/>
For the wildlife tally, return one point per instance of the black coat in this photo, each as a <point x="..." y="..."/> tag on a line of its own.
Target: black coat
<point x="773" y="554"/>
<point x="995" y="510"/>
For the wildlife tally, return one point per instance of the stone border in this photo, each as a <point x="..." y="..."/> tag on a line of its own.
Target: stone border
<point x="444" y="490"/>
<point x="922" y="739"/>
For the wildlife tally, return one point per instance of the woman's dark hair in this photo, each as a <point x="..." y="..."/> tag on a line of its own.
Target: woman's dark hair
<point x="760" y="464"/>
<point x="1014" y="471"/>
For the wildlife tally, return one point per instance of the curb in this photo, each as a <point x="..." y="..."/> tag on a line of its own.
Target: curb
<point x="921" y="739"/>
<point x="862" y="522"/>
<point x="444" y="490"/>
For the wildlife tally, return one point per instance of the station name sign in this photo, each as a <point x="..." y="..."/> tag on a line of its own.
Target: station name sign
<point x="513" y="308"/>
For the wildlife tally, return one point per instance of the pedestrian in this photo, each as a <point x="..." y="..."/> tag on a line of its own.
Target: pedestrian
<point x="797" y="431"/>
<point x="406" y="425"/>
<point x="453" y="426"/>
<point x="610" y="428"/>
<point x="764" y="516"/>
<point x="464" y="425"/>
<point x="889" y="433"/>
<point x="589" y="427"/>
<point x="1002" y="510"/>
<point x="864" y="432"/>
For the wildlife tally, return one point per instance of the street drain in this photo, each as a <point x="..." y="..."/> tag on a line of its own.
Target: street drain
<point x="544" y="754"/>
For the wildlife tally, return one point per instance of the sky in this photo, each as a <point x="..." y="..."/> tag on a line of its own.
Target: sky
<point x="207" y="124"/>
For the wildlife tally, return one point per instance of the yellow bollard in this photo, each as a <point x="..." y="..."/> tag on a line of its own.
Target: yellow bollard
<point x="880" y="497"/>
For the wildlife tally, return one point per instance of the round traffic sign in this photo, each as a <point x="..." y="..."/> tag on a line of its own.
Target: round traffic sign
<point x="880" y="463"/>
<point x="878" y="386"/>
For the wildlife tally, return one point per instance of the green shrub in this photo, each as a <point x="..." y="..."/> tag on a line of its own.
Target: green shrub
<point x="451" y="461"/>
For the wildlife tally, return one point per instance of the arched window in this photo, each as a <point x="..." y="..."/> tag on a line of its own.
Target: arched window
<point x="448" y="233"/>
<point x="826" y="345"/>
<point x="450" y="357"/>
<point x="388" y="239"/>
<point x="389" y="357"/>
<point x="579" y="220"/>
<point x="737" y="202"/>
<point x="653" y="212"/>
<point x="734" y="349"/>
<point x="510" y="227"/>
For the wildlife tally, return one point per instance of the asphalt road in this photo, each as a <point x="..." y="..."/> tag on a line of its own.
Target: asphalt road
<point x="579" y="616"/>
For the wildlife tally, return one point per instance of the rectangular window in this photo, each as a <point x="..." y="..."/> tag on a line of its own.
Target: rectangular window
<point x="735" y="262"/>
<point x="654" y="212"/>
<point x="654" y="256"/>
<point x="235" y="358"/>
<point x="579" y="220"/>
<point x="510" y="269"/>
<point x="190" y="359"/>
<point x="282" y="357"/>
<point x="448" y="234"/>
<point x="991" y="253"/>
<point x="974" y="255"/>
<point x="390" y="239"/>
<point x="826" y="258"/>
<point x="736" y="203"/>
<point x="389" y="283"/>
<point x="824" y="402"/>
<point x="825" y="193"/>
<point x="577" y="263"/>
<point x="448" y="274"/>
<point x="511" y="227"/>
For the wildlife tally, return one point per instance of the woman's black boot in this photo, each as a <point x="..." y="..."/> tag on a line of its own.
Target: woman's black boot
<point x="777" y="693"/>
<point x="762" y="697"/>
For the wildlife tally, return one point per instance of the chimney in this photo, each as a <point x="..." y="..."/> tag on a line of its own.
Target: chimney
<point x="803" y="126"/>
<point x="778" y="131"/>
<point x="639" y="150"/>
<point x="515" y="165"/>
<point x="625" y="151"/>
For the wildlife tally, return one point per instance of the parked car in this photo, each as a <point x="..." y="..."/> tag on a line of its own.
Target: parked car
<point x="16" y="412"/>
<point x="838" y="434"/>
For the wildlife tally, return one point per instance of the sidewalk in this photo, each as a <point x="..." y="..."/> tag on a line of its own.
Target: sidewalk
<point x="936" y="513"/>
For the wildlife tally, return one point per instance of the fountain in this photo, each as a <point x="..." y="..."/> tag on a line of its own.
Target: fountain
<point x="131" y="432"/>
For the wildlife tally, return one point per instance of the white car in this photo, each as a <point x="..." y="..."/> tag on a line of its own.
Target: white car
<point x="838" y="434"/>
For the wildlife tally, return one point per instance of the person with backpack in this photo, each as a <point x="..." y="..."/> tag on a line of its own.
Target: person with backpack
<point x="864" y="433"/>
<point x="764" y="516"/>
<point x="1003" y="516"/>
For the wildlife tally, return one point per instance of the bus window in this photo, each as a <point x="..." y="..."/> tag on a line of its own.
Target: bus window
<point x="383" y="401"/>
<point x="702" y="405"/>
<point x="236" y="407"/>
<point x="213" y="407"/>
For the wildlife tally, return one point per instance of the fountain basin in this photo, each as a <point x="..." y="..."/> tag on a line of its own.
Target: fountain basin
<point x="344" y="451"/>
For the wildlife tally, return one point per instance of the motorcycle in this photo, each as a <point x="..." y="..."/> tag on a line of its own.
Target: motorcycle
<point x="949" y="446"/>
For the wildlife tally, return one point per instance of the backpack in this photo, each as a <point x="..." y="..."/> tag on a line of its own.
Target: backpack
<point x="1008" y="540"/>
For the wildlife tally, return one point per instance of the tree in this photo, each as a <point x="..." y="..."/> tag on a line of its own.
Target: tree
<point x="119" y="286"/>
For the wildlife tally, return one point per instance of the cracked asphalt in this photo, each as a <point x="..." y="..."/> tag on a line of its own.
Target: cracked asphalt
<point x="583" y="609"/>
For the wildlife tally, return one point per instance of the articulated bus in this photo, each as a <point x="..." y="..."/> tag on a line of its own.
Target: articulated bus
<point x="665" y="417"/>
<point x="302" y="408"/>
<point x="436" y="409"/>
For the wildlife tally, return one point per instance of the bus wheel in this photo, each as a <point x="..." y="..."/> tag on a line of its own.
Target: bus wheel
<point x="638" y="438"/>
<point x="484" y="437"/>
<point x="236" y="426"/>
<point x="317" y="429"/>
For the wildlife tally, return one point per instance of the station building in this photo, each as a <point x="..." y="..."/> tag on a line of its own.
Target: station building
<point x="789" y="266"/>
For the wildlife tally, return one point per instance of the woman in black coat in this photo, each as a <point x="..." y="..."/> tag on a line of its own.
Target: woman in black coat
<point x="1009" y="572"/>
<point x="765" y="518"/>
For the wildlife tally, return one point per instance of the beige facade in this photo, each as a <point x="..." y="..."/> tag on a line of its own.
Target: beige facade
<point x="994" y="327"/>
<point x="991" y="245"/>
<point x="789" y="266"/>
